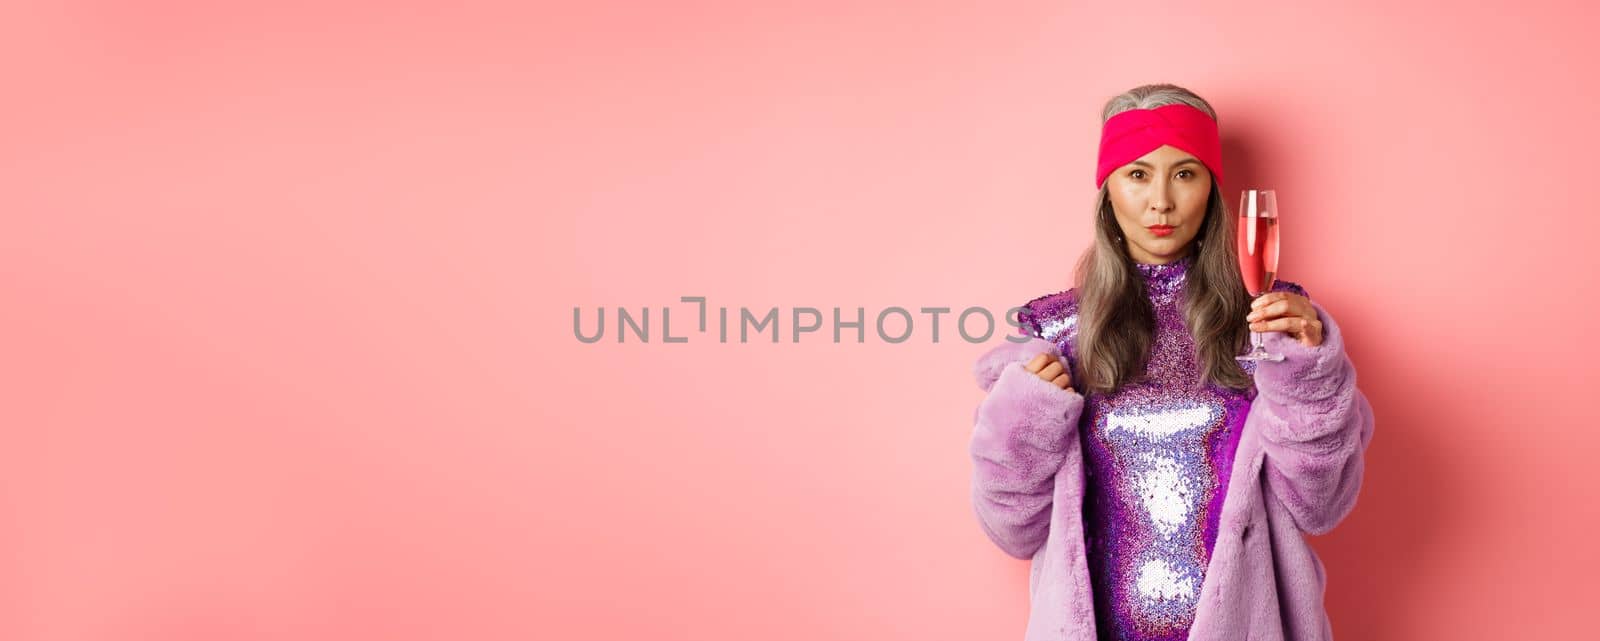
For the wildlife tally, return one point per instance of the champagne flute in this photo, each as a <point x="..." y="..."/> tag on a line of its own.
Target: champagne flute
<point x="1257" y="234"/>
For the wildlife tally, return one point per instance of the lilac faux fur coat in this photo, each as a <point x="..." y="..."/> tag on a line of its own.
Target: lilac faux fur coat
<point x="1297" y="471"/>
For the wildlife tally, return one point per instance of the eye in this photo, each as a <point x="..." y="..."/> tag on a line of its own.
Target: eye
<point x="1185" y="171"/>
<point x="1137" y="173"/>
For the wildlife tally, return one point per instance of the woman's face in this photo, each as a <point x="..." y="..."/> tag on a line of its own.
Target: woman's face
<point x="1166" y="187"/>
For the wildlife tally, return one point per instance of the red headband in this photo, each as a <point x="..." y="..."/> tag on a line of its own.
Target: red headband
<point x="1131" y="134"/>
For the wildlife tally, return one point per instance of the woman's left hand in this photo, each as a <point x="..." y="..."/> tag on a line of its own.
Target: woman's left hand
<point x="1288" y="313"/>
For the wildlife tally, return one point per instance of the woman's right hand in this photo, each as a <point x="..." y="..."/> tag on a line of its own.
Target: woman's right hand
<point x="1049" y="368"/>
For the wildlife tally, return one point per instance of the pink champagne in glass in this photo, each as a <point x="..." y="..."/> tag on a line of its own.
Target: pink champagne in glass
<point x="1257" y="234"/>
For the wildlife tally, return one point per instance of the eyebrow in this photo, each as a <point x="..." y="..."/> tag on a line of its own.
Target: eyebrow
<point x="1185" y="161"/>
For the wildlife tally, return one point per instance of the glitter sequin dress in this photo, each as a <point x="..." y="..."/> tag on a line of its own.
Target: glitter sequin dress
<point x="1157" y="456"/>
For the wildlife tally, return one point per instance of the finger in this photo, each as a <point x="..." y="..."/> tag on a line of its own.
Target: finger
<point x="1265" y="299"/>
<point x="1038" y="362"/>
<point x="1051" y="371"/>
<point x="1293" y="325"/>
<point x="1284" y="324"/>
<point x="1271" y="310"/>
<point x="1063" y="381"/>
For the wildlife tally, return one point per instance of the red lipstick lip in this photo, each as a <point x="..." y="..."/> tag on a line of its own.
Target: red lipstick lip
<point x="1160" y="230"/>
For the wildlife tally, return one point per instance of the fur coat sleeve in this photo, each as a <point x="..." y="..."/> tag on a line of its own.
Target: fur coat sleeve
<point x="1315" y="426"/>
<point x="1024" y="430"/>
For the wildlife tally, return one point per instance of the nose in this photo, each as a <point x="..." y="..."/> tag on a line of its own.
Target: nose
<point x="1159" y="202"/>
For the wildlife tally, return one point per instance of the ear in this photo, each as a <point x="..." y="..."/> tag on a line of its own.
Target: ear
<point x="989" y="366"/>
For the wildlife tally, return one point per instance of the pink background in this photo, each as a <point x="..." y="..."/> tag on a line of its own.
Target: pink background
<point x="288" y="347"/>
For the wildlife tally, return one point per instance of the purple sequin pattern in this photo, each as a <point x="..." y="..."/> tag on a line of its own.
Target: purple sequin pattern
<point x="1157" y="455"/>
